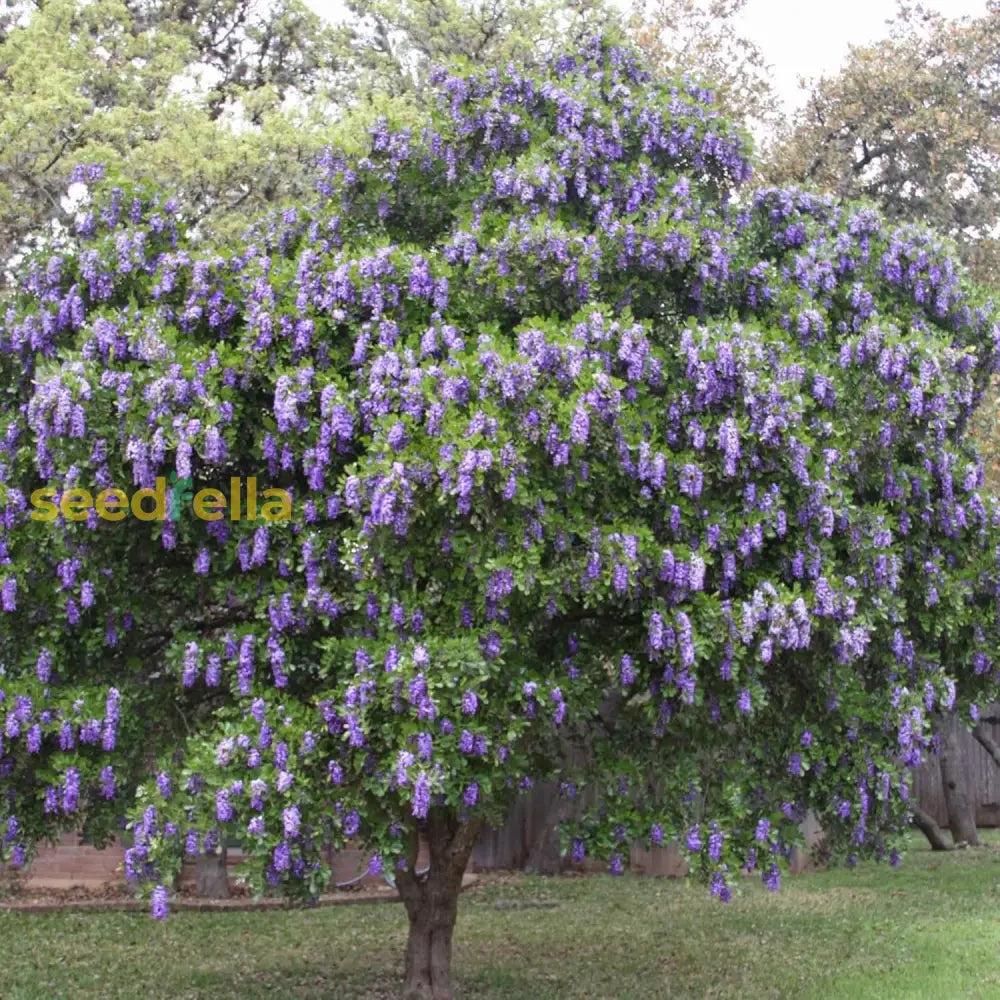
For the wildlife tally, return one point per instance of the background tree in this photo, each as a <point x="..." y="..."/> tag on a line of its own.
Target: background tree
<point x="255" y="54"/>
<point x="396" y="42"/>
<point x="582" y="451"/>
<point x="913" y="124"/>
<point x="224" y="102"/>
<point x="699" y="38"/>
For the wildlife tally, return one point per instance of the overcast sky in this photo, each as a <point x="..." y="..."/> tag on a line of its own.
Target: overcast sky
<point x="811" y="37"/>
<point x="799" y="37"/>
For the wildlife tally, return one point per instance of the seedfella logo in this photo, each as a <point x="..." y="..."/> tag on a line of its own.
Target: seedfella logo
<point x="167" y="502"/>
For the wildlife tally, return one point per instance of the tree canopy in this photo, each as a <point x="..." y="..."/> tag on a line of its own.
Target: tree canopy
<point x="583" y="461"/>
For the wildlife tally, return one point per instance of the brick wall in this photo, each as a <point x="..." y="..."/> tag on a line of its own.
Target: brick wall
<point x="69" y="863"/>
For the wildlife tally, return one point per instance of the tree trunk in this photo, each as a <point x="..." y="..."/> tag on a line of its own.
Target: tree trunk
<point x="961" y="810"/>
<point x="924" y="822"/>
<point x="212" y="875"/>
<point x="987" y="742"/>
<point x="431" y="901"/>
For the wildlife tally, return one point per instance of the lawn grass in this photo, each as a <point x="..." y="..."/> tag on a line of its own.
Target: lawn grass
<point x="927" y="931"/>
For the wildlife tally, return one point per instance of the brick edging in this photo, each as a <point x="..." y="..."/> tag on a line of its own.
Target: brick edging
<point x="196" y="905"/>
<point x="210" y="905"/>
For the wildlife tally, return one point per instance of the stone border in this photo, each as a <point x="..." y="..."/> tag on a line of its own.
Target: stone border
<point x="213" y="905"/>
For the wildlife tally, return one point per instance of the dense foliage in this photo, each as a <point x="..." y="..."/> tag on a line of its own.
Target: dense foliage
<point x="601" y="468"/>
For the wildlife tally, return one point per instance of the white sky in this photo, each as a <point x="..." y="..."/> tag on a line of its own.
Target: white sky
<point x="799" y="38"/>
<point x="811" y="37"/>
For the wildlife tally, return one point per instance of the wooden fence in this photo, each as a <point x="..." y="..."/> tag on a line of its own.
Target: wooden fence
<point x="523" y="834"/>
<point x="511" y="845"/>
<point x="982" y="774"/>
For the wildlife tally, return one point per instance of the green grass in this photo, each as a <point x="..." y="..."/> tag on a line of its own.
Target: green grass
<point x="930" y="929"/>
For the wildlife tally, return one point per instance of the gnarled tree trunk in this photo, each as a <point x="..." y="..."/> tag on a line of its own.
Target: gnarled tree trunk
<point x="925" y="823"/>
<point x="961" y="809"/>
<point x="982" y="735"/>
<point x="431" y="901"/>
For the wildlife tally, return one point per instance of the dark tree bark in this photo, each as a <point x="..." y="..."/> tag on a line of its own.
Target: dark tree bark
<point x="431" y="901"/>
<point x="212" y="876"/>
<point x="987" y="742"/>
<point x="961" y="809"/>
<point x="924" y="822"/>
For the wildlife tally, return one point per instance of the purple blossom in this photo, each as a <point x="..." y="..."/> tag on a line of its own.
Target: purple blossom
<point x="729" y="444"/>
<point x="159" y="903"/>
<point x="718" y="887"/>
<point x="772" y="878"/>
<point x="43" y="667"/>
<point x="627" y="671"/>
<point x="291" y="820"/>
<point x="191" y="655"/>
<point x="71" y="790"/>
<point x="163" y="784"/>
<point x="421" y="795"/>
<point x="281" y="857"/>
<point x="352" y="823"/>
<point x="224" y="811"/>
<point x="690" y="480"/>
<point x="715" y="841"/>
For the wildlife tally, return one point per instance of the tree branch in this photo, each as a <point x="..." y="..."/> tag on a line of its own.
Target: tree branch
<point x="924" y="822"/>
<point x="987" y="742"/>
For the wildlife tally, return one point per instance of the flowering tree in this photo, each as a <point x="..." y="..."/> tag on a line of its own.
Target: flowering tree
<point x="595" y="468"/>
